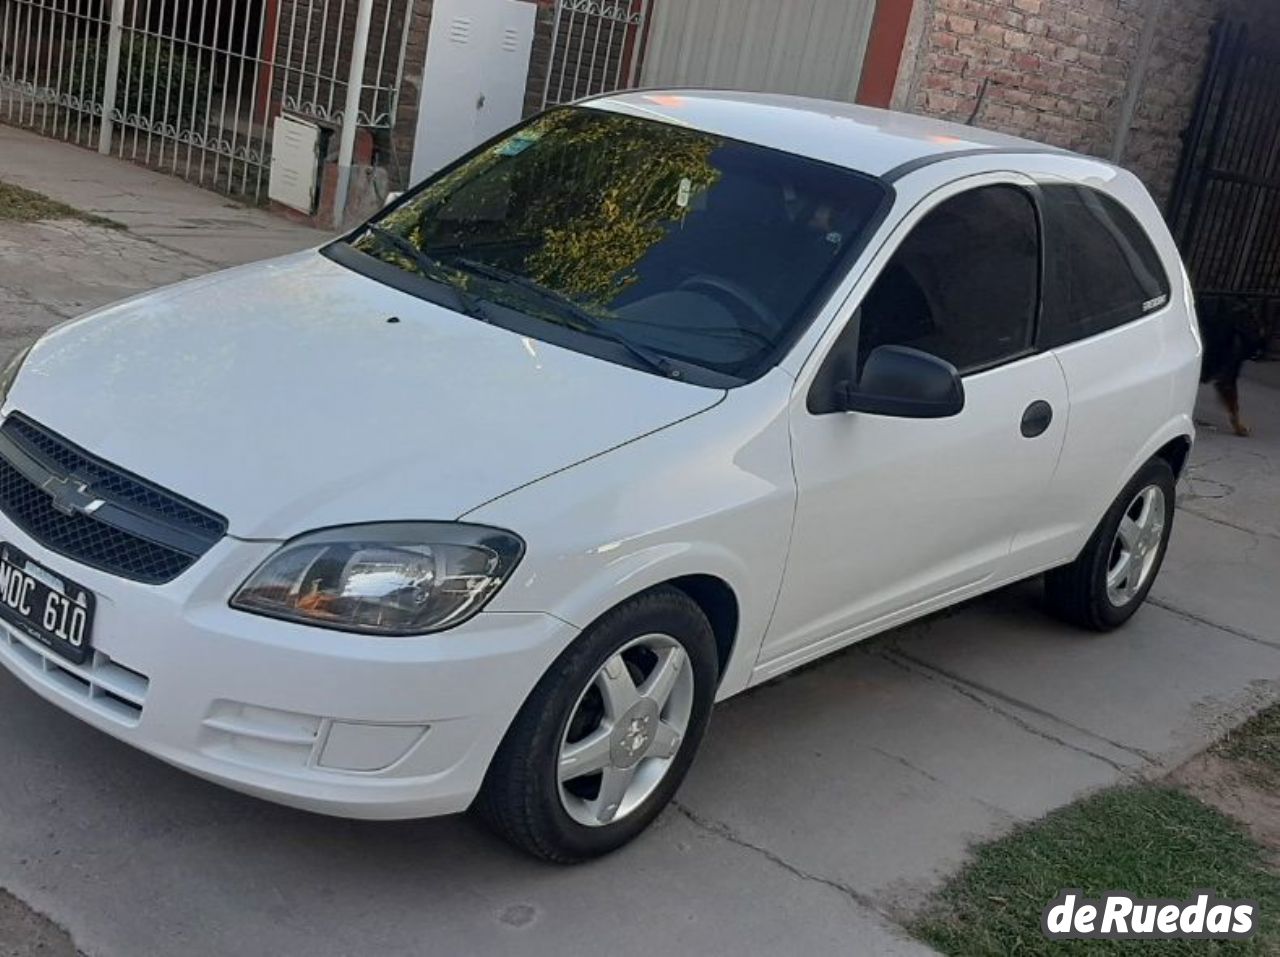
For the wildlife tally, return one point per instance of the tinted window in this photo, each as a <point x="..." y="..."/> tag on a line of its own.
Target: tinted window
<point x="964" y="285"/>
<point x="1101" y="268"/>
<point x="706" y="250"/>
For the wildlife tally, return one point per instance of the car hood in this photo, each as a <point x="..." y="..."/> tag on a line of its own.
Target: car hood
<point x="280" y="395"/>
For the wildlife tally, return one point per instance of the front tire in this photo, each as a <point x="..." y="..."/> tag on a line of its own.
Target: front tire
<point x="1110" y="579"/>
<point x="607" y="735"/>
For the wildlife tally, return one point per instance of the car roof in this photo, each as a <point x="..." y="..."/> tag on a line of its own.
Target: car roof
<point x="879" y="142"/>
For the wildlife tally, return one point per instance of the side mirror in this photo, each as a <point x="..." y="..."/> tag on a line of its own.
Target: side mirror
<point x="392" y="198"/>
<point x="904" y="382"/>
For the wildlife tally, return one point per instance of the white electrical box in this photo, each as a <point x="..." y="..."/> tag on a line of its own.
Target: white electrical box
<point x="473" y="82"/>
<point x="295" y="163"/>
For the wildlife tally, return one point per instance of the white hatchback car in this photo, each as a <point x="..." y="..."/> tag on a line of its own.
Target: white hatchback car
<point x="646" y="402"/>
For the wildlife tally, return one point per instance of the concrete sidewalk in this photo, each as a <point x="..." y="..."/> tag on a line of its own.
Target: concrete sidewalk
<point x="193" y="223"/>
<point x="54" y="271"/>
<point x="822" y="807"/>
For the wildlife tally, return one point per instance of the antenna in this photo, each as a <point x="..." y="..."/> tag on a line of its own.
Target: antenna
<point x="982" y="97"/>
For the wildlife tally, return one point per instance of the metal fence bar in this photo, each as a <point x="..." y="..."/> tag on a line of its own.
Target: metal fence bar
<point x="26" y="66"/>
<point x="190" y="87"/>
<point x="4" y="54"/>
<point x="168" y="84"/>
<point x="333" y="87"/>
<point x="182" y="89"/>
<point x="42" y="77"/>
<point x="382" y="59"/>
<point x="75" y="53"/>
<point x="404" y="51"/>
<point x="581" y="50"/>
<point x="60" y="73"/>
<point x="1226" y="197"/>
<point x="324" y="30"/>
<point x="112" y="77"/>
<point x="95" y="103"/>
<point x="128" y="75"/>
<point x="350" y="113"/>
<point x="263" y="158"/>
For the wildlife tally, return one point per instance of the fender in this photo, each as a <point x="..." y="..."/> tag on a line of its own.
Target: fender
<point x="711" y="495"/>
<point x="1179" y="426"/>
<point x="650" y="565"/>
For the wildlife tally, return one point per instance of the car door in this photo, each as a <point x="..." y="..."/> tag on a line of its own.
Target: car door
<point x="897" y="515"/>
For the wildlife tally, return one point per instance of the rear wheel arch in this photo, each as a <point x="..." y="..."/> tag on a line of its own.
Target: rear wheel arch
<point x="1176" y="452"/>
<point x="1080" y="592"/>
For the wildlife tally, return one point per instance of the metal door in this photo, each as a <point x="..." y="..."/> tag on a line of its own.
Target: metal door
<point x="1225" y="206"/>
<point x="473" y="84"/>
<point x="806" y="47"/>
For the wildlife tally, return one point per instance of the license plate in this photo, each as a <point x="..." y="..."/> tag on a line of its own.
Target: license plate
<point x="45" y="606"/>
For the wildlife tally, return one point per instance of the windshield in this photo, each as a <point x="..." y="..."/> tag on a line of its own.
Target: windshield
<point x="676" y="249"/>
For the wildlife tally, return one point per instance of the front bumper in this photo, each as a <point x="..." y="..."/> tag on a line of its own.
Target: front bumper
<point x="354" y="726"/>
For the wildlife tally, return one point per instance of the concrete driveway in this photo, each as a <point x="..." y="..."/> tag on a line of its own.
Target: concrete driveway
<point x="823" y="805"/>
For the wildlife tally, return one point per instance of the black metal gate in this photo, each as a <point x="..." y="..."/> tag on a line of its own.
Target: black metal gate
<point x="1225" y="205"/>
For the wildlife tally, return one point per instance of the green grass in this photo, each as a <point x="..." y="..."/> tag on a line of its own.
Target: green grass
<point x="26" y="206"/>
<point x="1256" y="744"/>
<point x="1150" y="840"/>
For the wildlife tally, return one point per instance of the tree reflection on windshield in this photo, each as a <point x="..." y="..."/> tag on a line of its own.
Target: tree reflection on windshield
<point x="687" y="244"/>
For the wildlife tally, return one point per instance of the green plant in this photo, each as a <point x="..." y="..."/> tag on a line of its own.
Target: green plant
<point x="1149" y="840"/>
<point x="159" y="79"/>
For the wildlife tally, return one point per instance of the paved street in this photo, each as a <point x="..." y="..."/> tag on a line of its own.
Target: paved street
<point x="822" y="806"/>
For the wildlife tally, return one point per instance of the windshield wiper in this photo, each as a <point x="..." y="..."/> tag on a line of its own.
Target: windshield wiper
<point x="591" y="324"/>
<point x="432" y="268"/>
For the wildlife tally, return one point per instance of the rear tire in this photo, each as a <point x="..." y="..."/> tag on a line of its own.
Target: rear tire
<point x="1110" y="579"/>
<point x="607" y="735"/>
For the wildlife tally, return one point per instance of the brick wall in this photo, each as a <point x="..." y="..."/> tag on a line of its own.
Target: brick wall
<point x="1055" y="69"/>
<point x="1169" y="91"/>
<point x="1173" y="79"/>
<point x="405" y="129"/>
<point x="540" y="60"/>
<point x="1058" y="71"/>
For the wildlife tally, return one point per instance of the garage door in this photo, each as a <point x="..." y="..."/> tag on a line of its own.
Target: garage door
<point x="808" y="47"/>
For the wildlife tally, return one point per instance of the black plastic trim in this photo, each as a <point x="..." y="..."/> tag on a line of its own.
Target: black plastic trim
<point x="922" y="162"/>
<point x="86" y="498"/>
<point x="1036" y="419"/>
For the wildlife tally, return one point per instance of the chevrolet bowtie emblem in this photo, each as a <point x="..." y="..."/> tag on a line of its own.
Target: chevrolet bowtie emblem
<point x="71" y="495"/>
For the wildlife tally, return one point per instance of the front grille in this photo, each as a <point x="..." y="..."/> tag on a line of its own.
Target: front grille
<point x="109" y="480"/>
<point x="96" y="513"/>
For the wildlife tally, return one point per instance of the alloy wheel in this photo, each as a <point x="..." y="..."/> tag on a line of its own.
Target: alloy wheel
<point x="625" y="730"/>
<point x="1136" y="546"/>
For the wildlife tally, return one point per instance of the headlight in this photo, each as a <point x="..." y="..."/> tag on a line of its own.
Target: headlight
<point x="11" y="370"/>
<point x="403" y="578"/>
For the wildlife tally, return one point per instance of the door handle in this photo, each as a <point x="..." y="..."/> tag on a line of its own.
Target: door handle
<point x="1037" y="418"/>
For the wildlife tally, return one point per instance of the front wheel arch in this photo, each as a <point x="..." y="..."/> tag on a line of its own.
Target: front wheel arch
<point x="719" y="603"/>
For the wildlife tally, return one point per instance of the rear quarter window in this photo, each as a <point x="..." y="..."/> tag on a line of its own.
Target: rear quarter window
<point x="1101" y="269"/>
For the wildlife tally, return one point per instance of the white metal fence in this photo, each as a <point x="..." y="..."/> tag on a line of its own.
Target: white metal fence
<point x="317" y="52"/>
<point x="191" y="86"/>
<point x="596" y="47"/>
